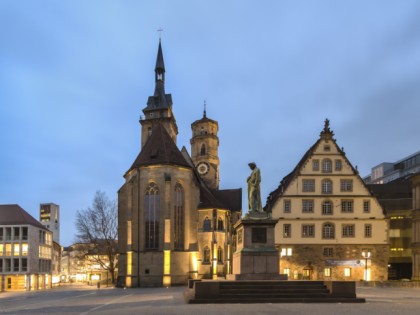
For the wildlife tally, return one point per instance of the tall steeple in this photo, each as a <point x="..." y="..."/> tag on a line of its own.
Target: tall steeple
<point x="159" y="106"/>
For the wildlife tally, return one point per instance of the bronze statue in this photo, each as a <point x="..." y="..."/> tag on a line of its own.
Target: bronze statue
<point x="254" y="191"/>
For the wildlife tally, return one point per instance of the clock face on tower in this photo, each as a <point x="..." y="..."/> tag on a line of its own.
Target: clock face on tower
<point x="202" y="168"/>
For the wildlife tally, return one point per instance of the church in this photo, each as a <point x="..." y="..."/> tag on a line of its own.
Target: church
<point x="174" y="223"/>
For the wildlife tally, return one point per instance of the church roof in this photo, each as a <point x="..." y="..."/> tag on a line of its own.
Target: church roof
<point x="160" y="149"/>
<point x="15" y="215"/>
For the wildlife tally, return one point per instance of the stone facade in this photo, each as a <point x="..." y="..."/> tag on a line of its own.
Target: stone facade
<point x="328" y="218"/>
<point x="174" y="224"/>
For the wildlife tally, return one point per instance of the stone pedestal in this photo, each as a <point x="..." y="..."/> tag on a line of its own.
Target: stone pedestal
<point x="256" y="257"/>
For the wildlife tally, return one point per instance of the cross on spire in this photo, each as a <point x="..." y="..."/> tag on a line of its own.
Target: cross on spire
<point x="204" y="113"/>
<point x="160" y="30"/>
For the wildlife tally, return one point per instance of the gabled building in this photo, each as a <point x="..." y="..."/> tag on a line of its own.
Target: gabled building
<point x="330" y="225"/>
<point x="174" y="223"/>
<point x="26" y="248"/>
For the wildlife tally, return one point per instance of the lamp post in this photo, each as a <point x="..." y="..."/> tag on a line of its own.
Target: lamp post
<point x="366" y="256"/>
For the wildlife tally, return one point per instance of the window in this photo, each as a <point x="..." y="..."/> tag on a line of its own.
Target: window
<point x="206" y="255"/>
<point x="24" y="264"/>
<point x="7" y="265"/>
<point x="24" y="233"/>
<point x="347" y="206"/>
<point x="327" y="272"/>
<point x="326" y="166"/>
<point x="307" y="206"/>
<point x="15" y="265"/>
<point x="152" y="208"/>
<point x="327" y="148"/>
<point x="179" y="217"/>
<point x="16" y="249"/>
<point x="220" y="255"/>
<point x="287" y="230"/>
<point x="287" y="206"/>
<point x="366" y="206"/>
<point x="8" y="234"/>
<point x="16" y="233"/>
<point x="346" y="185"/>
<point x="220" y="224"/>
<point x="347" y="272"/>
<point x="1" y="265"/>
<point x="327" y="207"/>
<point x="328" y="231"/>
<point x="315" y="165"/>
<point x="368" y="230"/>
<point x="348" y="230"/>
<point x="8" y="249"/>
<point x="1" y="250"/>
<point x="286" y="252"/>
<point x="286" y="271"/>
<point x="203" y="149"/>
<point x="1" y="234"/>
<point x="328" y="252"/>
<point x="327" y="186"/>
<point x="308" y="230"/>
<point x="308" y="185"/>
<point x="338" y="165"/>
<point x="206" y="224"/>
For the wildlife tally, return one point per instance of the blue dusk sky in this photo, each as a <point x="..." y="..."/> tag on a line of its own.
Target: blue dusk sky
<point x="75" y="76"/>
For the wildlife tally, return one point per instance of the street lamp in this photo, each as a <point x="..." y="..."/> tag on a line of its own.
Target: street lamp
<point x="366" y="256"/>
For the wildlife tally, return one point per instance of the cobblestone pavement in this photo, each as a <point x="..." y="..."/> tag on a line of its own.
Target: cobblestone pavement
<point x="83" y="300"/>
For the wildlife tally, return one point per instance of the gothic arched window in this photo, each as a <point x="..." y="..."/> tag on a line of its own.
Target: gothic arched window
<point x="152" y="210"/>
<point x="179" y="217"/>
<point x="328" y="231"/>
<point x="220" y="224"/>
<point x="207" y="224"/>
<point x="206" y="255"/>
<point x="203" y="149"/>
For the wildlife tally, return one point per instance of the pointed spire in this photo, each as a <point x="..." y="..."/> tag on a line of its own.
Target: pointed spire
<point x="204" y="113"/>
<point x="160" y="65"/>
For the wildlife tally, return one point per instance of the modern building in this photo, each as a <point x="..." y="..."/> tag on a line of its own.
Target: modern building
<point x="25" y="251"/>
<point x="330" y="225"/>
<point x="415" y="180"/>
<point x="49" y="216"/>
<point x="174" y="223"/>
<point x="386" y="172"/>
<point x="395" y="198"/>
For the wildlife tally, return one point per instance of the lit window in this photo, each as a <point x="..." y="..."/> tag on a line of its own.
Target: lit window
<point x="1" y="251"/>
<point x="308" y="230"/>
<point x="287" y="206"/>
<point x="338" y="165"/>
<point x="286" y="252"/>
<point x="346" y="185"/>
<point x="315" y="165"/>
<point x="287" y="230"/>
<point x="307" y="206"/>
<point x="366" y="206"/>
<point x="347" y="272"/>
<point x="327" y="207"/>
<point x="308" y="185"/>
<point x="328" y="231"/>
<point x="286" y="271"/>
<point x="220" y="255"/>
<point x="8" y="249"/>
<point x="327" y="272"/>
<point x="24" y="249"/>
<point x="326" y="166"/>
<point x="348" y="230"/>
<point x="347" y="206"/>
<point x="16" y="249"/>
<point x="368" y="230"/>
<point x="327" y="186"/>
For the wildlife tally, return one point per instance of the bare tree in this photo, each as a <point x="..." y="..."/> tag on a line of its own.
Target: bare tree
<point x="97" y="232"/>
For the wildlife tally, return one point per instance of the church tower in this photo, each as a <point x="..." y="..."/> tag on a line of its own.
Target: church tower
<point x="159" y="106"/>
<point x="205" y="149"/>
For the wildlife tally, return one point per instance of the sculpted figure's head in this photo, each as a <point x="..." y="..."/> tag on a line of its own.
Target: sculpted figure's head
<point x="252" y="165"/>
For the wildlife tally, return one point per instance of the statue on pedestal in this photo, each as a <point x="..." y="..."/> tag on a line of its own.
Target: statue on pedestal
<point x="254" y="190"/>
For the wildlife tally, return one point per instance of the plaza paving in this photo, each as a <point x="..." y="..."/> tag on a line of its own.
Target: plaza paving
<point x="82" y="300"/>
